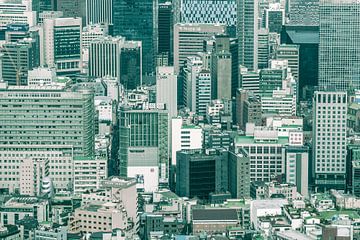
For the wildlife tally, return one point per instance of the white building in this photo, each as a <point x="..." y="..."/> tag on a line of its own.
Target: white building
<point x="329" y="139"/>
<point x="184" y="137"/>
<point x="59" y="34"/>
<point x="104" y="57"/>
<point x="188" y="40"/>
<point x="249" y="80"/>
<point x="99" y="11"/>
<point x="88" y="173"/>
<point x="262" y="208"/>
<point x="203" y="91"/>
<point x="193" y="67"/>
<point x="41" y="76"/>
<point x="166" y="89"/>
<point x="16" y="12"/>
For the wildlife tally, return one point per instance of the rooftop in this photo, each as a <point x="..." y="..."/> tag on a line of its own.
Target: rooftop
<point x="328" y="215"/>
<point x="251" y="140"/>
<point x="214" y="214"/>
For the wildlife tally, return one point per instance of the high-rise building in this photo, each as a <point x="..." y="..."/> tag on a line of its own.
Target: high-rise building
<point x="131" y="62"/>
<point x="137" y="20"/>
<point x="99" y="12"/>
<point x="203" y="91"/>
<point x="274" y="18"/>
<point x="249" y="80"/>
<point x="62" y="129"/>
<point x="263" y="48"/>
<point x="143" y="146"/>
<point x="234" y="49"/>
<point x="17" y="59"/>
<point x="221" y="68"/>
<point x="289" y="52"/>
<point x="209" y="11"/>
<point x="189" y="40"/>
<point x="339" y="47"/>
<point x="247" y="28"/>
<point x="308" y="52"/>
<point x="104" y="57"/>
<point x="72" y="8"/>
<point x="239" y="174"/>
<point x="194" y="65"/>
<point x="165" y="30"/>
<point x="329" y="139"/>
<point x="304" y="12"/>
<point x="166" y="89"/>
<point x="16" y="12"/>
<point x="62" y="44"/>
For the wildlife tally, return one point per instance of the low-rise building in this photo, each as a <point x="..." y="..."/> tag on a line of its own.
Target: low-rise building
<point x="17" y="208"/>
<point x="213" y="220"/>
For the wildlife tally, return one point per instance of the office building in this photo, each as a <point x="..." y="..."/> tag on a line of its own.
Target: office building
<point x="131" y="62"/>
<point x="239" y="174"/>
<point x="190" y="74"/>
<point x="104" y="57"/>
<point x="17" y="59"/>
<point x="50" y="14"/>
<point x="297" y="168"/>
<point x="165" y="30"/>
<point x="274" y="18"/>
<point x="209" y="11"/>
<point x="16" y="12"/>
<point x="308" y="52"/>
<point x="143" y="145"/>
<point x="99" y="12"/>
<point x="304" y="12"/>
<point x="249" y="80"/>
<point x="62" y="44"/>
<point x="291" y="54"/>
<point x="184" y="137"/>
<point x="234" y="66"/>
<point x="89" y="172"/>
<point x="189" y="40"/>
<point x="93" y="32"/>
<point x="329" y="139"/>
<point x="247" y="28"/>
<point x="71" y="8"/>
<point x="16" y="208"/>
<point x="263" y="48"/>
<point x="339" y="66"/>
<point x="166" y="89"/>
<point x="137" y="21"/>
<point x="221" y="68"/>
<point x="259" y="143"/>
<point x="69" y="132"/>
<point x="203" y="91"/>
<point x="200" y="173"/>
<point x="17" y="31"/>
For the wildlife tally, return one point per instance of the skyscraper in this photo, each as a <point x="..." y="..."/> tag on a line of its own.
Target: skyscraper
<point x="221" y="68"/>
<point x="143" y="146"/>
<point x="99" y="11"/>
<point x="62" y="44"/>
<point x="166" y="89"/>
<point x="208" y="11"/>
<point x="304" y="12"/>
<point x="136" y="20"/>
<point x="339" y="47"/>
<point x="247" y="28"/>
<point x="104" y="57"/>
<point x="165" y="30"/>
<point x="131" y="63"/>
<point x="189" y="40"/>
<point x="329" y="139"/>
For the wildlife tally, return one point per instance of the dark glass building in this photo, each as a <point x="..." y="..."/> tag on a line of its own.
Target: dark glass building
<point x="165" y="25"/>
<point x="307" y="37"/>
<point x="136" y="20"/>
